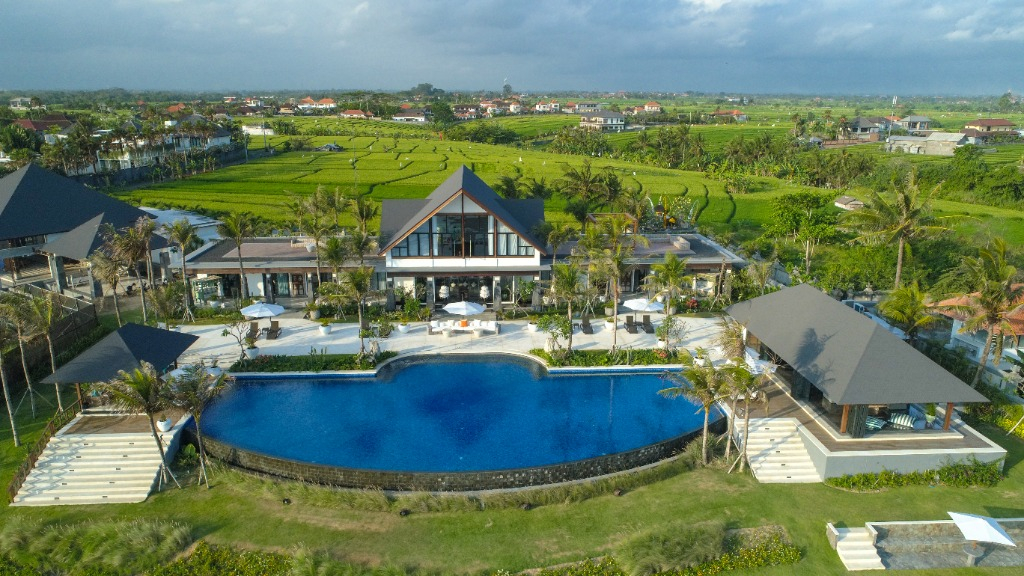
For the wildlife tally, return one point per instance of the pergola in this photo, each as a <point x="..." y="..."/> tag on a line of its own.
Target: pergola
<point x="854" y="361"/>
<point x="124" y="349"/>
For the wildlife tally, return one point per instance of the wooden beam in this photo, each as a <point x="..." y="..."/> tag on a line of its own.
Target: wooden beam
<point x="949" y="415"/>
<point x="846" y="419"/>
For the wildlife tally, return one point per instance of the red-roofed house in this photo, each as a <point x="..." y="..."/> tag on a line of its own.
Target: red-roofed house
<point x="356" y="114"/>
<point x="653" y="107"/>
<point x="985" y="129"/>
<point x="736" y="115"/>
<point x="175" y="108"/>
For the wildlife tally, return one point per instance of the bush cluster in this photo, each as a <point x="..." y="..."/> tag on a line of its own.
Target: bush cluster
<point x="956" y="475"/>
<point x="208" y="560"/>
<point x="313" y="362"/>
<point x="641" y="357"/>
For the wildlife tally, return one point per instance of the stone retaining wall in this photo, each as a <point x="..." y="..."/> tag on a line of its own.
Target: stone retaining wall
<point x="451" y="481"/>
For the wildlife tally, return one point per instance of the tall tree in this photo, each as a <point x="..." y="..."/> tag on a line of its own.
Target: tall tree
<point x="184" y="234"/>
<point x="668" y="279"/>
<point x="6" y="335"/>
<point x="12" y="312"/>
<point x="997" y="295"/>
<point x="129" y="246"/>
<point x="43" y="312"/>
<point x="108" y="269"/>
<point x="702" y="384"/>
<point x="609" y="246"/>
<point x="141" y="390"/>
<point x="904" y="217"/>
<point x="193" y="392"/>
<point x="746" y="386"/>
<point x="567" y="285"/>
<point x="239" y="227"/>
<point x="355" y="286"/>
<point x="909" y="308"/>
<point x="560" y="234"/>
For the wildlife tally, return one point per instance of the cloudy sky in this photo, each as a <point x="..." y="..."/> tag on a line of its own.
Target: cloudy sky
<point x="755" y="46"/>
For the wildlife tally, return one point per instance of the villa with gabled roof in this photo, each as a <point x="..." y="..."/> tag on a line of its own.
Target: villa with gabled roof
<point x="462" y="242"/>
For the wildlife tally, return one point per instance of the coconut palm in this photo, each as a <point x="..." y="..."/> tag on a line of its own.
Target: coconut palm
<point x="6" y="335"/>
<point x="746" y="386"/>
<point x="239" y="227"/>
<point x="43" y="312"/>
<point x="129" y="246"/>
<point x="909" y="308"/>
<point x="183" y="233"/>
<point x="907" y="216"/>
<point x="560" y="234"/>
<point x="567" y="285"/>
<point x="668" y="280"/>
<point x="193" y="392"/>
<point x="702" y="384"/>
<point x="364" y="210"/>
<point x="355" y="286"/>
<point x="335" y="253"/>
<point x="609" y="247"/>
<point x="997" y="296"/>
<point x="145" y="228"/>
<point x="141" y="390"/>
<point x="12" y="312"/>
<point x="108" y="270"/>
<point x="730" y="339"/>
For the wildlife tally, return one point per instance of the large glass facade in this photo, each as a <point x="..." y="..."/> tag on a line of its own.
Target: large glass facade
<point x="462" y="236"/>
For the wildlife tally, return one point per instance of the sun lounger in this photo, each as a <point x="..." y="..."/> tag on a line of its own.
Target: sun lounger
<point x="274" y="331"/>
<point x="434" y="327"/>
<point x="631" y="325"/>
<point x="647" y="326"/>
<point x="585" y="326"/>
<point x="254" y="331"/>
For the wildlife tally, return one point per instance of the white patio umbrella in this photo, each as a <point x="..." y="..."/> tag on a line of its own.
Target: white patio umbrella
<point x="981" y="529"/>
<point x="464" y="308"/>
<point x="261" y="310"/>
<point x="643" y="305"/>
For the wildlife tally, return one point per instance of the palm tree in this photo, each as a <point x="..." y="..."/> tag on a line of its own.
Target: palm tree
<point x="746" y="385"/>
<point x="239" y="227"/>
<point x="335" y="253"/>
<point x="567" y="284"/>
<point x="355" y="286"/>
<point x="730" y="339"/>
<point x="364" y="210"/>
<point x="184" y="234"/>
<point x="702" y="384"/>
<point x="12" y="311"/>
<point x="667" y="280"/>
<point x="609" y="247"/>
<point x="142" y="391"/>
<point x="193" y="392"/>
<point x="43" y="312"/>
<point x="6" y="332"/>
<point x="997" y="296"/>
<point x="108" y="270"/>
<point x="144" y="229"/>
<point x="560" y="234"/>
<point x="909" y="308"/>
<point x="906" y="217"/>
<point x="583" y="184"/>
<point x="130" y="246"/>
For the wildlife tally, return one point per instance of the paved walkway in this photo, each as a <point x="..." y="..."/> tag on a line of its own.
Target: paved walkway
<point x="299" y="336"/>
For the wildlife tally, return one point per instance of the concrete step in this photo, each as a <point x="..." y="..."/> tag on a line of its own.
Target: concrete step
<point x="44" y="500"/>
<point x="856" y="550"/>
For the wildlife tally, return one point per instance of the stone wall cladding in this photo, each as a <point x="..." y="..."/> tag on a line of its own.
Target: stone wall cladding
<point x="451" y="481"/>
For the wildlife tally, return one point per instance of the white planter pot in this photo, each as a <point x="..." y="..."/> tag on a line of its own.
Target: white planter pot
<point x="532" y="326"/>
<point x="609" y="325"/>
<point x="251" y="353"/>
<point x="403" y="328"/>
<point x="164" y="425"/>
<point x="325" y="330"/>
<point x="314" y="314"/>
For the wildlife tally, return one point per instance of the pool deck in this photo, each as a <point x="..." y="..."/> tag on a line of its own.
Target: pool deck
<point x="299" y="336"/>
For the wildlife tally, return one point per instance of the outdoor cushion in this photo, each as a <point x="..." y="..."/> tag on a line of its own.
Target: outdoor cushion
<point x="875" y="423"/>
<point x="902" y="421"/>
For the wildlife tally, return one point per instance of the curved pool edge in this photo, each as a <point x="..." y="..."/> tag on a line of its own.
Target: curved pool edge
<point x="453" y="481"/>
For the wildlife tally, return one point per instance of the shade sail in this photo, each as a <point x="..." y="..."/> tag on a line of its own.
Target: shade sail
<point x="981" y="529"/>
<point x="125" y="349"/>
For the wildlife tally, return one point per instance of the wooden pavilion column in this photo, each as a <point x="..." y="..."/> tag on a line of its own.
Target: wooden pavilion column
<point x="845" y="420"/>
<point x="949" y="415"/>
<point x="78" y="390"/>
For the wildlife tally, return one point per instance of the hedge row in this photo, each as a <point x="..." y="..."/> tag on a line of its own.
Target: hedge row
<point x="958" y="475"/>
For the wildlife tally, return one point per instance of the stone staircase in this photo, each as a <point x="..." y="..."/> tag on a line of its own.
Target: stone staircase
<point x="95" y="469"/>
<point x="776" y="452"/>
<point x="856" y="549"/>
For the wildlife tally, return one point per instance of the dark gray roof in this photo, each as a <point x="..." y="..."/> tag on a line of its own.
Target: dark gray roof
<point x="399" y="218"/>
<point x="80" y="242"/>
<point x="35" y="201"/>
<point x="846" y="355"/>
<point x="125" y="349"/>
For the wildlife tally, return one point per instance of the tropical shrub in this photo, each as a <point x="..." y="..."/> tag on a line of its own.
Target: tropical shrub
<point x="957" y="475"/>
<point x="314" y="362"/>
<point x="672" y="547"/>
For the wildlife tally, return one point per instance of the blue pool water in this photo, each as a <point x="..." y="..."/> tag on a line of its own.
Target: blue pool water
<point x="454" y="415"/>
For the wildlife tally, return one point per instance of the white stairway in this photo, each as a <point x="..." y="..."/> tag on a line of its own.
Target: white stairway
<point x="92" y="469"/>
<point x="856" y="550"/>
<point x="776" y="453"/>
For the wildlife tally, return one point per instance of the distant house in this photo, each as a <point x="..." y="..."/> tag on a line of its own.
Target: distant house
<point x="549" y="106"/>
<point x="935" y="144"/>
<point x="860" y="127"/>
<point x="736" y="115"/>
<point x="588" y="107"/>
<point x="569" y="108"/>
<point x="915" y="123"/>
<point x="466" y="111"/>
<point x="356" y="114"/>
<point x="848" y="203"/>
<point x="653" y="107"/>
<point x="21" y="103"/>
<point x="986" y="129"/>
<point x="411" y="115"/>
<point x="45" y="126"/>
<point x="515" y="107"/>
<point x="176" y="108"/>
<point x="605" y="121"/>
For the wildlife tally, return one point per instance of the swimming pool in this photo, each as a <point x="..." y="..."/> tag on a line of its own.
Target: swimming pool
<point x="449" y="423"/>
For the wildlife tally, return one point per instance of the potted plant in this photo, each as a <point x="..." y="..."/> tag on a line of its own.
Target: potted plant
<point x="410" y="311"/>
<point x="313" y="309"/>
<point x="670" y="332"/>
<point x="251" y="351"/>
<point x="609" y="323"/>
<point x="929" y="413"/>
<point x="164" y="424"/>
<point x="532" y="324"/>
<point x="325" y="326"/>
